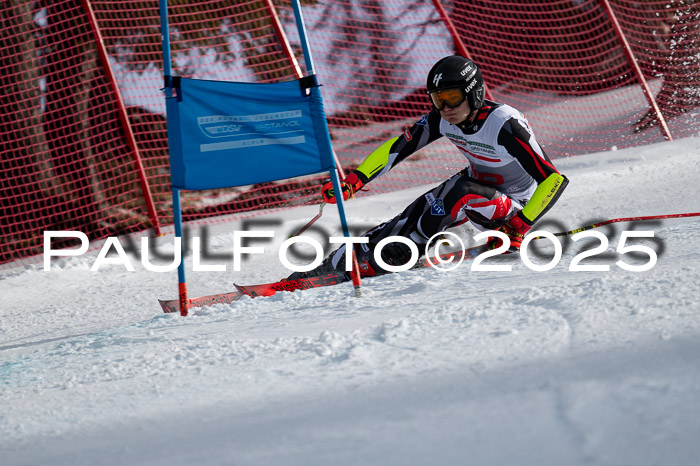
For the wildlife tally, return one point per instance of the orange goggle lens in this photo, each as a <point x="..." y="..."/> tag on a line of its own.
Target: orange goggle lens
<point x="451" y="97"/>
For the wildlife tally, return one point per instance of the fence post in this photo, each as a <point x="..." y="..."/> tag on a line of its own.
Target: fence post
<point x="279" y="31"/>
<point x="123" y="118"/>
<point x="636" y="69"/>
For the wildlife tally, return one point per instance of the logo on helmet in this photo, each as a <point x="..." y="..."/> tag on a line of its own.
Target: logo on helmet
<point x="437" y="79"/>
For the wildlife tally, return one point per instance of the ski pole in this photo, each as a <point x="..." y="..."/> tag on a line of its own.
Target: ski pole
<point x="341" y="172"/>
<point x="313" y="220"/>
<point x="623" y="219"/>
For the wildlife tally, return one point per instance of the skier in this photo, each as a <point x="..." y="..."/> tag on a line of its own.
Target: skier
<point x="509" y="184"/>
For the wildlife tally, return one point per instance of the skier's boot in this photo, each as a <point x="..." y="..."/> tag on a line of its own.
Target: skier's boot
<point x="325" y="268"/>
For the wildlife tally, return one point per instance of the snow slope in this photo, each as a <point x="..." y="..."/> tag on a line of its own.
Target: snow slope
<point x="466" y="367"/>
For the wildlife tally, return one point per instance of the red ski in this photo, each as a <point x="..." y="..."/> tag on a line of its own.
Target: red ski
<point x="173" y="305"/>
<point x="266" y="289"/>
<point x="269" y="289"/>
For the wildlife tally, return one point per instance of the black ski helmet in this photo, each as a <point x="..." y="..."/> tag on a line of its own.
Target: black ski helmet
<point x="456" y="72"/>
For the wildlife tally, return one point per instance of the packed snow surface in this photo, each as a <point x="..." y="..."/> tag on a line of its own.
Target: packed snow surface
<point x="556" y="367"/>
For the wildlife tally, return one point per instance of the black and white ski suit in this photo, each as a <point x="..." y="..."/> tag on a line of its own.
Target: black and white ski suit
<point x="506" y="166"/>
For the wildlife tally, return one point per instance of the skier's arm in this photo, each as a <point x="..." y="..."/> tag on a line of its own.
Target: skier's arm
<point x="520" y="143"/>
<point x="395" y="150"/>
<point x="387" y="156"/>
<point x="541" y="201"/>
<point x="544" y="197"/>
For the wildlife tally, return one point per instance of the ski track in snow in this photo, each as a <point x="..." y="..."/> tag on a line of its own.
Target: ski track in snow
<point x="518" y="367"/>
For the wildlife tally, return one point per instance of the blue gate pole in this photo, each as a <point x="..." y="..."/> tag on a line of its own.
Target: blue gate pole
<point x="177" y="207"/>
<point x="310" y="69"/>
<point x="316" y="92"/>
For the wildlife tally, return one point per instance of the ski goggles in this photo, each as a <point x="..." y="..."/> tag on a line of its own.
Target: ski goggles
<point x="451" y="97"/>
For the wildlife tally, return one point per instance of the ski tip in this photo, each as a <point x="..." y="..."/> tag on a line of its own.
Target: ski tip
<point x="169" y="306"/>
<point x="173" y="305"/>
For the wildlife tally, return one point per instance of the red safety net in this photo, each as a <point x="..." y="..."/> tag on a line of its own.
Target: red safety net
<point x="82" y="113"/>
